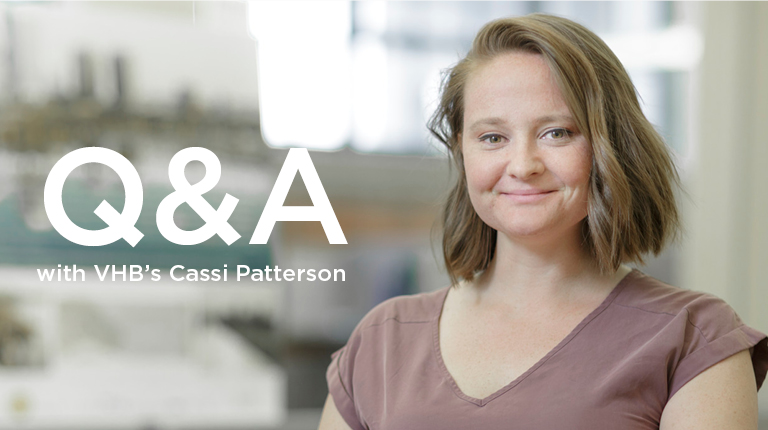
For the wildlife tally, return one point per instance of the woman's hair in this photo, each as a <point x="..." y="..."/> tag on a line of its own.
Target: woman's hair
<point x="631" y="202"/>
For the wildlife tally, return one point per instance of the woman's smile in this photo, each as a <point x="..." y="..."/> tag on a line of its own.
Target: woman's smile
<point x="526" y="196"/>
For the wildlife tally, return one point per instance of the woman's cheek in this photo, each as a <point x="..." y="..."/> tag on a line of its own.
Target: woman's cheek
<point x="573" y="167"/>
<point x="482" y="172"/>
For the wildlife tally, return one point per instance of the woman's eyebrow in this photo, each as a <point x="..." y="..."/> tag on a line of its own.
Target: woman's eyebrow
<point x="496" y="121"/>
<point x="554" y="118"/>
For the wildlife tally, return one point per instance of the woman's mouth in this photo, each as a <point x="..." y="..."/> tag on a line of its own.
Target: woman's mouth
<point x="527" y="196"/>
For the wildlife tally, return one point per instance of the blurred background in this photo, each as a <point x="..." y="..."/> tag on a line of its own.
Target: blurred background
<point x="355" y="82"/>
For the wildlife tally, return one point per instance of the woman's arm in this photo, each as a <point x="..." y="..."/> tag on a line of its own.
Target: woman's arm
<point x="722" y="397"/>
<point x="331" y="418"/>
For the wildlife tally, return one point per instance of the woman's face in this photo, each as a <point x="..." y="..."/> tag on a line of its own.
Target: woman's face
<point x="527" y="164"/>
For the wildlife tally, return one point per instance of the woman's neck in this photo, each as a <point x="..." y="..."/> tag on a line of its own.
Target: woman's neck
<point x="542" y="273"/>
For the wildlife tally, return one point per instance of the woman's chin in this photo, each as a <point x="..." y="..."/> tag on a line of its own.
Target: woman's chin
<point x="524" y="231"/>
<point x="528" y="232"/>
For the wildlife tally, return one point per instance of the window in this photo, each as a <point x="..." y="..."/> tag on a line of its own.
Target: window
<point x="366" y="75"/>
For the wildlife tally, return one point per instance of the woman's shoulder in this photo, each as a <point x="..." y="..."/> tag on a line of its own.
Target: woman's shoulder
<point x="649" y="294"/>
<point x="413" y="308"/>
<point x="694" y="329"/>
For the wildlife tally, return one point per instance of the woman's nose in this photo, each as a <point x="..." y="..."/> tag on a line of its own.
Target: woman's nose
<point x="524" y="159"/>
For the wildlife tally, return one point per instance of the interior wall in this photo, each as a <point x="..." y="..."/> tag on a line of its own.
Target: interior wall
<point x="725" y="251"/>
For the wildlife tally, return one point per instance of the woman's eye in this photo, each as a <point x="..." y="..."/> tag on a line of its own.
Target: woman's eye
<point x="559" y="133"/>
<point x="492" y="138"/>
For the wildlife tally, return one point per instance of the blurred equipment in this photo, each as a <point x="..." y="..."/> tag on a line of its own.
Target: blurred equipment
<point x="127" y="355"/>
<point x="16" y="348"/>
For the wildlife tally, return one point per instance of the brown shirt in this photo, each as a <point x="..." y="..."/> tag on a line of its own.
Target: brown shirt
<point x="616" y="369"/>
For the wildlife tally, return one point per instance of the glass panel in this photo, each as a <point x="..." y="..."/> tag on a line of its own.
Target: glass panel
<point x="374" y="88"/>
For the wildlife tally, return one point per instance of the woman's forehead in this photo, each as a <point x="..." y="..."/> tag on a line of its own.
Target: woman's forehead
<point x="516" y="83"/>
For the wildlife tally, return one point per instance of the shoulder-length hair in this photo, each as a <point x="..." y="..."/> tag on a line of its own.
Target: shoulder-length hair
<point x="631" y="202"/>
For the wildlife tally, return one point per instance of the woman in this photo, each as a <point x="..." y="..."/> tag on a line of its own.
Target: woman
<point x="561" y="181"/>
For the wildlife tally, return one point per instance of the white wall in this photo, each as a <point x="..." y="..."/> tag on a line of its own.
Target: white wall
<point x="726" y="249"/>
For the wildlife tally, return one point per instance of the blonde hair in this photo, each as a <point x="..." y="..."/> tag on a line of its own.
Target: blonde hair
<point x="631" y="204"/>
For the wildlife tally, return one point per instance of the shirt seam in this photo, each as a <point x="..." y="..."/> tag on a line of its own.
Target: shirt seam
<point x="395" y="319"/>
<point x="687" y="317"/>
<point x="341" y="380"/>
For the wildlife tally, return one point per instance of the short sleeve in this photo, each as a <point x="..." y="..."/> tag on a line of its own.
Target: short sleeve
<point x="339" y="377"/>
<point x="717" y="333"/>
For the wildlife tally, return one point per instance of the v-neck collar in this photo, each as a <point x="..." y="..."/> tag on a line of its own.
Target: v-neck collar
<point x="484" y="401"/>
